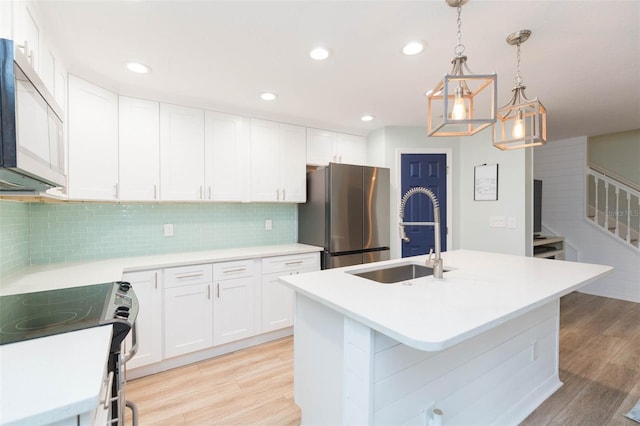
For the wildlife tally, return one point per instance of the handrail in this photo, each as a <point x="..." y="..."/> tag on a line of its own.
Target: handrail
<point x="616" y="177"/>
<point x="616" y="221"/>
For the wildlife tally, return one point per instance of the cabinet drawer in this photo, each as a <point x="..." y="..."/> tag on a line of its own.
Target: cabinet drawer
<point x="291" y="262"/>
<point x="185" y="275"/>
<point x="235" y="269"/>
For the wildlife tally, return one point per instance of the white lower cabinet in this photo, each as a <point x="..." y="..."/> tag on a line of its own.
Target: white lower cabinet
<point x="191" y="308"/>
<point x="188" y="310"/>
<point x="277" y="300"/>
<point x="146" y="285"/>
<point x="233" y="303"/>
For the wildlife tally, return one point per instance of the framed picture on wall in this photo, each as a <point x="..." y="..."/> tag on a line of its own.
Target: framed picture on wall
<point x="485" y="182"/>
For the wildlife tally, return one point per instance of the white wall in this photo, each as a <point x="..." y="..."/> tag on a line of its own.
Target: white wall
<point x="514" y="198"/>
<point x="561" y="167"/>
<point x="470" y="219"/>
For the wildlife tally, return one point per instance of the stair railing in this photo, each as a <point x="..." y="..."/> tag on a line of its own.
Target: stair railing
<point x="613" y="207"/>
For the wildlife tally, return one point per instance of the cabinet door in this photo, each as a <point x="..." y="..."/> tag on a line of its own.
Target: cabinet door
<point x="181" y="153"/>
<point x="350" y="149"/>
<point x="139" y="149"/>
<point x="233" y="310"/>
<point x="265" y="161"/>
<point x="188" y="319"/>
<point x="277" y="303"/>
<point x="293" y="159"/>
<point x="319" y="147"/>
<point x="226" y="148"/>
<point x="27" y="32"/>
<point x="93" y="141"/>
<point x="146" y="285"/>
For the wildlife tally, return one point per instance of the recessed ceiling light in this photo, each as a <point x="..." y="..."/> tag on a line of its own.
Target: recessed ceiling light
<point x="268" y="96"/>
<point x="319" y="53"/>
<point x="366" y="117"/>
<point x="413" y="48"/>
<point x="139" y="68"/>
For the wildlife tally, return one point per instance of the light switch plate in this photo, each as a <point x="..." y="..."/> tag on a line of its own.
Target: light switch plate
<point x="497" y="221"/>
<point x="168" y="229"/>
<point x="268" y="225"/>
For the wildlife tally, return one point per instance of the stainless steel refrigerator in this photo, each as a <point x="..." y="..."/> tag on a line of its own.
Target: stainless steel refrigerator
<point x="347" y="213"/>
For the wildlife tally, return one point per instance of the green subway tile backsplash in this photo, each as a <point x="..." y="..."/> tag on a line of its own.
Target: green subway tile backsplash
<point x="14" y="236"/>
<point x="68" y="232"/>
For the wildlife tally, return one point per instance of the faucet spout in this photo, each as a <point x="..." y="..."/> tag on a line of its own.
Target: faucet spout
<point x="436" y="263"/>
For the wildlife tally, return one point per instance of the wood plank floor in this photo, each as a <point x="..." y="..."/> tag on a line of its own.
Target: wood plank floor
<point x="599" y="365"/>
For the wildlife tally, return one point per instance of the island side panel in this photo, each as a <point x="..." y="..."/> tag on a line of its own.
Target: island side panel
<point x="318" y="362"/>
<point x="497" y="377"/>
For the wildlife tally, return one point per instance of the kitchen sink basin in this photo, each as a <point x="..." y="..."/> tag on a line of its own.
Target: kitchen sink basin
<point x="395" y="273"/>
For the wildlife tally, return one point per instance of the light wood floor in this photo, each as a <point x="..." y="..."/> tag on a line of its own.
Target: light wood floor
<point x="599" y="365"/>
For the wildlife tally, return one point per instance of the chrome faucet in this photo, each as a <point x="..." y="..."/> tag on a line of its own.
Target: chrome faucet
<point x="436" y="263"/>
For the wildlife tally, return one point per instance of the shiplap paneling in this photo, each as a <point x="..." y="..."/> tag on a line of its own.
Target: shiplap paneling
<point x="561" y="167"/>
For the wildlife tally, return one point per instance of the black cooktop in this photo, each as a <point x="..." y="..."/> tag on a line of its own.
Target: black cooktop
<point x="44" y="313"/>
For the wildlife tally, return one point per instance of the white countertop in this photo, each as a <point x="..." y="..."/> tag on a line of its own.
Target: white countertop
<point x="52" y="378"/>
<point x="481" y="291"/>
<point x="73" y="274"/>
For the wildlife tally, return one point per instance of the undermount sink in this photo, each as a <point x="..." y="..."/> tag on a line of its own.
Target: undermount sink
<point x="395" y="273"/>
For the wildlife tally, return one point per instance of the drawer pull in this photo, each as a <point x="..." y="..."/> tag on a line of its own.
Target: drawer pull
<point x="228" y="271"/>
<point x="218" y="290"/>
<point x="209" y="292"/>
<point x="297" y="262"/>
<point x="189" y="276"/>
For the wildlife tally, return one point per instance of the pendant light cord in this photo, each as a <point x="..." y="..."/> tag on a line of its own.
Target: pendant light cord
<point x="459" y="49"/>
<point x="518" y="79"/>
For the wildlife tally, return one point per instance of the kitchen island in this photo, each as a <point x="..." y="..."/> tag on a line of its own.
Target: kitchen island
<point x="479" y="346"/>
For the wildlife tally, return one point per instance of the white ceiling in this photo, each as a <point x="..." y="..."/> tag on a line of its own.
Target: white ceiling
<point x="582" y="60"/>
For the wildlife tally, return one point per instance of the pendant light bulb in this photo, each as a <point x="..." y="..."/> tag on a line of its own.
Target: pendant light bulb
<point x="518" y="126"/>
<point x="459" y="111"/>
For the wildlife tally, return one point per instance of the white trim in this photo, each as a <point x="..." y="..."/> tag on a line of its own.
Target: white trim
<point x="398" y="183"/>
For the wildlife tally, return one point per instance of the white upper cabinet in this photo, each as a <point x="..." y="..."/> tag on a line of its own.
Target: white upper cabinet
<point x="27" y="31"/>
<point x="278" y="162"/>
<point x="324" y="147"/>
<point x="226" y="154"/>
<point x="181" y="153"/>
<point x="93" y="141"/>
<point x="139" y="149"/>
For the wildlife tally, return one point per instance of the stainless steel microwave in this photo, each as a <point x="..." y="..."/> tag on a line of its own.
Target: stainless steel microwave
<point x="31" y="130"/>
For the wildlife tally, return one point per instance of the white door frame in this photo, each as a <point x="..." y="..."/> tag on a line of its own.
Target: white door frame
<point x="396" y="251"/>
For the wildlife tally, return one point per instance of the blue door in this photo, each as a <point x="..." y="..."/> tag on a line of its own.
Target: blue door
<point x="430" y="171"/>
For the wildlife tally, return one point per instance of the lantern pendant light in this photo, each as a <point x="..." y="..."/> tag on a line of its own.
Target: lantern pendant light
<point x="521" y="122"/>
<point x="462" y="103"/>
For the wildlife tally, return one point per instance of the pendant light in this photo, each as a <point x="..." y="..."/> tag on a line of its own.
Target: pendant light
<point x="521" y="122"/>
<point x="462" y="103"/>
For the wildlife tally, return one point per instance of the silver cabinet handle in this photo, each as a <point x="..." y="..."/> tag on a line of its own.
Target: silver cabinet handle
<point x="155" y="191"/>
<point x="209" y="291"/>
<point x="297" y="262"/>
<point x="209" y="192"/>
<point x="229" y="271"/>
<point x="201" y="192"/>
<point x="284" y="196"/>
<point x="189" y="275"/>
<point x="277" y="194"/>
<point x="155" y="280"/>
<point x="218" y="291"/>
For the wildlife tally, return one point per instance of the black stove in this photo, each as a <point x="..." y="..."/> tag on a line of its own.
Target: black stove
<point x="45" y="313"/>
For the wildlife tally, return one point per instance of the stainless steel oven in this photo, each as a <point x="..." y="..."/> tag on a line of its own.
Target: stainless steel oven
<point x="45" y="313"/>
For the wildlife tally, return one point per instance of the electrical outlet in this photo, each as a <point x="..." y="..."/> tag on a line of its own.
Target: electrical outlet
<point x="497" y="222"/>
<point x="168" y="230"/>
<point x="268" y="225"/>
<point x="511" y="223"/>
